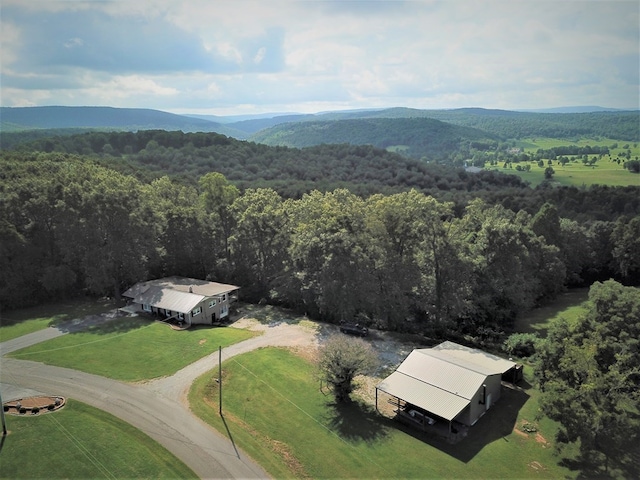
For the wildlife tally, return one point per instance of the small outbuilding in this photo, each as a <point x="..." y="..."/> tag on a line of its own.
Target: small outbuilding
<point x="449" y="382"/>
<point x="188" y="300"/>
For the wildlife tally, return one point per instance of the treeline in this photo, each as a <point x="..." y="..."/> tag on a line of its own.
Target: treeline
<point x="364" y="170"/>
<point x="622" y="125"/>
<point x="404" y="261"/>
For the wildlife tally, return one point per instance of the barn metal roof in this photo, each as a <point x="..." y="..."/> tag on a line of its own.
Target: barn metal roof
<point x="176" y="301"/>
<point x="432" y="399"/>
<point x="443" y="379"/>
<point x="471" y="358"/>
<point x="444" y="375"/>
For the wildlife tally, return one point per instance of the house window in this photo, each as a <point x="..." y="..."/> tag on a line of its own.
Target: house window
<point x="212" y="303"/>
<point x="224" y="297"/>
<point x="196" y="311"/>
<point x="146" y="307"/>
<point x="181" y="316"/>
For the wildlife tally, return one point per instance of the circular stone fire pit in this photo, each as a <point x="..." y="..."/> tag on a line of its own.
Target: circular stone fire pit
<point x="34" y="405"/>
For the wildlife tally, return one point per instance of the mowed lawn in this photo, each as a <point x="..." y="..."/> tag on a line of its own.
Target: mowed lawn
<point x="275" y="410"/>
<point x="82" y="442"/>
<point x="132" y="348"/>
<point x="15" y="323"/>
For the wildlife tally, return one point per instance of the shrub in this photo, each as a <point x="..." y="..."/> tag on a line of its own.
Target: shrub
<point x="521" y="344"/>
<point x="23" y="410"/>
<point x="35" y="410"/>
<point x="51" y="406"/>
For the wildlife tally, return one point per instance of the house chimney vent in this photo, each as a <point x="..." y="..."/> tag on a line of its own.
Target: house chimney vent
<point x="190" y="288"/>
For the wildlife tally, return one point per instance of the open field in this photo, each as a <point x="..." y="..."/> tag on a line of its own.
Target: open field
<point x="83" y="442"/>
<point x="568" y="305"/>
<point x="576" y="174"/>
<point x="131" y="348"/>
<point x="606" y="171"/>
<point x="15" y="323"/>
<point x="275" y="411"/>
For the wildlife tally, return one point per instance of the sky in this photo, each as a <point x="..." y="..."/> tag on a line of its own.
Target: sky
<point x="237" y="57"/>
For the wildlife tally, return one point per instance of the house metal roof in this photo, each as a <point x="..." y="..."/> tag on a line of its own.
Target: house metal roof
<point x="176" y="301"/>
<point x="431" y="398"/>
<point x="182" y="284"/>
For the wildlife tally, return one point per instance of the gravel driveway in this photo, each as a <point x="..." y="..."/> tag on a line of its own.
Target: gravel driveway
<point x="159" y="407"/>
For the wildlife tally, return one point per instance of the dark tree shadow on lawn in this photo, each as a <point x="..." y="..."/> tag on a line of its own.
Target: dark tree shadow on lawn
<point x="592" y="465"/>
<point x="495" y="425"/>
<point x="354" y="421"/>
<point x="103" y="324"/>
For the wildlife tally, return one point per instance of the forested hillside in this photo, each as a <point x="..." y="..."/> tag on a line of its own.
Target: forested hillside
<point x="363" y="170"/>
<point x="70" y="225"/>
<point x="421" y="138"/>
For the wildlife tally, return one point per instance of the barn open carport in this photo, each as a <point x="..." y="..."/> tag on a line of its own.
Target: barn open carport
<point x="424" y="406"/>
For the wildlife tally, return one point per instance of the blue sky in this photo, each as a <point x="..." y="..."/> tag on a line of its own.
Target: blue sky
<point x="245" y="56"/>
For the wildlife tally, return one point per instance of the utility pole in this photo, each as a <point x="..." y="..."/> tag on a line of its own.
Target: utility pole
<point x="220" y="378"/>
<point x="4" y="424"/>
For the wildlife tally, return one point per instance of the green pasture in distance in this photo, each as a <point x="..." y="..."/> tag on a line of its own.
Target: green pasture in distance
<point x="274" y="409"/>
<point x="81" y="442"/>
<point x="15" y="323"/>
<point x="604" y="172"/>
<point x="132" y="348"/>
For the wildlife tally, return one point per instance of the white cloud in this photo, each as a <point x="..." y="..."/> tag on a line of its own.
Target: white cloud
<point x="300" y="55"/>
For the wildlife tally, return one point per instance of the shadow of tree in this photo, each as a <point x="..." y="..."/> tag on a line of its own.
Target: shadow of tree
<point x="271" y="315"/>
<point x="104" y="324"/>
<point x="354" y="421"/>
<point x="592" y="465"/>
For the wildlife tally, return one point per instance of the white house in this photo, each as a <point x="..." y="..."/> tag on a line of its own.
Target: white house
<point x="188" y="299"/>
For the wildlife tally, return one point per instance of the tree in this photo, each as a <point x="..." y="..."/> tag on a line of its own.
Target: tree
<point x="549" y="172"/>
<point x="328" y="260"/>
<point x="259" y="242"/>
<point x="590" y="378"/>
<point x="626" y="247"/>
<point x="342" y="358"/>
<point x="217" y="196"/>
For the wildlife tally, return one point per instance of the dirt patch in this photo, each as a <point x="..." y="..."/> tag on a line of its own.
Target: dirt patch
<point x="33" y="405"/>
<point x="541" y="439"/>
<point x="520" y="432"/>
<point x="204" y="340"/>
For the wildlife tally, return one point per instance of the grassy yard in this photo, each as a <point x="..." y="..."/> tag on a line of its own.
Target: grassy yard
<point x="16" y="323"/>
<point x="132" y="348"/>
<point x="275" y="411"/>
<point x="568" y="305"/>
<point x="83" y="442"/>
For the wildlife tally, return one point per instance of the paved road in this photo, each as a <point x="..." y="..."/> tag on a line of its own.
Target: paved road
<point x="159" y="407"/>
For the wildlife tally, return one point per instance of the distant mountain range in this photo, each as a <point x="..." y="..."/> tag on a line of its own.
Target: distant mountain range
<point x="413" y="132"/>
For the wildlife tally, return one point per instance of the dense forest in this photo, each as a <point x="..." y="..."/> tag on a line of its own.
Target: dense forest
<point x="402" y="261"/>
<point x="291" y="172"/>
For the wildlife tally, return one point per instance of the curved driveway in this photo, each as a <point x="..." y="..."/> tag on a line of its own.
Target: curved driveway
<point x="158" y="407"/>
